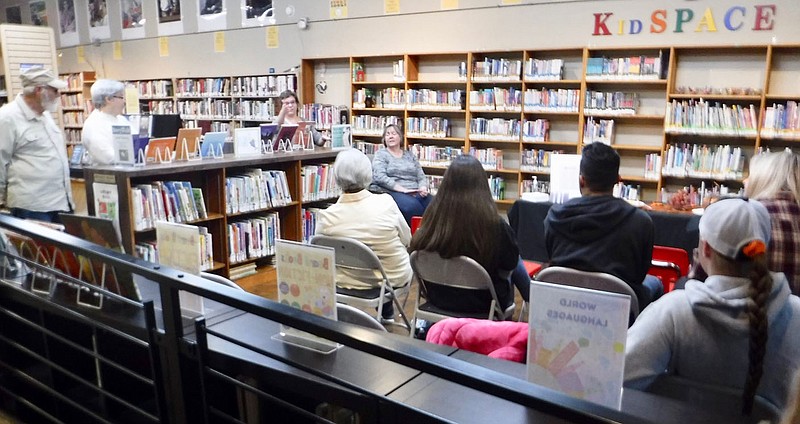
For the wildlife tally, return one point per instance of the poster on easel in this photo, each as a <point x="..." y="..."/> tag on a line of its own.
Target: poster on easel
<point x="306" y="281"/>
<point x="576" y="341"/>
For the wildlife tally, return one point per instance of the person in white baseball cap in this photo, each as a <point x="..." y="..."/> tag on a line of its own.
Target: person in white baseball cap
<point x="34" y="172"/>
<point x="737" y="329"/>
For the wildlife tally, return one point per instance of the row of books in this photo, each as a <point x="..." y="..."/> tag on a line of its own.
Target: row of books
<point x="372" y="124"/>
<point x="387" y="98"/>
<point x="203" y="87"/>
<point x="73" y="118"/>
<point x="544" y="69"/>
<point x="205" y="109"/>
<point x="399" y="70"/>
<point x="537" y="130"/>
<point x="323" y="116"/>
<point x="704" y="161"/>
<point x="598" y="131"/>
<point x="495" y="129"/>
<point x="172" y="201"/>
<point x="501" y="69"/>
<point x="309" y="218"/>
<point x="72" y="100"/>
<point x="318" y="182"/>
<point x="490" y="158"/>
<point x="72" y="135"/>
<point x="255" y="189"/>
<point x="502" y="99"/>
<point x="253" y="237"/>
<point x="625" y="68"/>
<point x="652" y="166"/>
<point x="367" y="147"/>
<point x="434" y="155"/>
<point x="262" y="86"/>
<point x="154" y="89"/>
<point x="701" y="117"/>
<point x="626" y="191"/>
<point x="254" y="110"/>
<point x="208" y="126"/>
<point x="161" y="107"/>
<point x="610" y="102"/>
<point x="433" y="127"/>
<point x="537" y="160"/>
<point x="497" y="186"/>
<point x="781" y="121"/>
<point x="436" y="99"/>
<point x="74" y="81"/>
<point x="551" y="100"/>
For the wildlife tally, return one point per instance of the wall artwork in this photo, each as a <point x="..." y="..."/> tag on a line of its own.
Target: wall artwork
<point x="67" y="23"/>
<point x="13" y="15"/>
<point x="168" y="10"/>
<point x="211" y="15"/>
<point x="257" y="13"/>
<point x="38" y="12"/>
<point x="98" y="20"/>
<point x="132" y="17"/>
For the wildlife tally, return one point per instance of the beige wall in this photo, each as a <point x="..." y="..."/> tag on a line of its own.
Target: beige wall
<point x="479" y="25"/>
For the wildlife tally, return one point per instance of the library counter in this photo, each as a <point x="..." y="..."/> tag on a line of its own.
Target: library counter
<point x="527" y="220"/>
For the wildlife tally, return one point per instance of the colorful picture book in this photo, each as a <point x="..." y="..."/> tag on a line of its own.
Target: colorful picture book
<point x="102" y="232"/>
<point x="286" y="134"/>
<point x="576" y="341"/>
<point x="341" y="136"/>
<point x="140" y="143"/>
<point x="160" y="150"/>
<point x="268" y="132"/>
<point x="78" y="153"/>
<point x="212" y="144"/>
<point x="187" y="143"/>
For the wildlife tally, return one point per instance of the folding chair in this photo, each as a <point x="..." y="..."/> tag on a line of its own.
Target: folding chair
<point x="220" y="280"/>
<point x="669" y="264"/>
<point x="354" y="255"/>
<point x="347" y="313"/>
<point x="460" y="272"/>
<point x="590" y="280"/>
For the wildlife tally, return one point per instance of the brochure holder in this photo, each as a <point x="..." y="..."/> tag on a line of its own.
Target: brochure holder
<point x="140" y="159"/>
<point x="185" y="154"/>
<point x="163" y="155"/>
<point x="285" y="135"/>
<point x="306" y="280"/>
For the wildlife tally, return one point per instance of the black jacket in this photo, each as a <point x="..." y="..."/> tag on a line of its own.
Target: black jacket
<point x="601" y="234"/>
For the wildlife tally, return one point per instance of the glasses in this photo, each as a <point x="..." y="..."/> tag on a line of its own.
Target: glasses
<point x="117" y="97"/>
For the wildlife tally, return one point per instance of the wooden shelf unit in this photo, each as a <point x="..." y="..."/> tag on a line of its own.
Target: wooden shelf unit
<point x="762" y="76"/>
<point x="76" y="105"/>
<point x="210" y="176"/>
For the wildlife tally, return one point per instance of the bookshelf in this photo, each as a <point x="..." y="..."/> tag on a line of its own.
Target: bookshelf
<point x="76" y="105"/>
<point x="227" y="190"/>
<point x="640" y="88"/>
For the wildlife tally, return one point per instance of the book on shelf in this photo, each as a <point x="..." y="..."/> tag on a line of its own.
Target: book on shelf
<point x="212" y="144"/>
<point x="359" y="73"/>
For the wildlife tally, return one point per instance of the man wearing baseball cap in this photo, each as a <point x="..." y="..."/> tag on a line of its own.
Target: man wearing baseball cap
<point x="34" y="172"/>
<point x="737" y="329"/>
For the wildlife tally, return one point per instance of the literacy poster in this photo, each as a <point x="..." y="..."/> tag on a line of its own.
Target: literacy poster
<point x="576" y="341"/>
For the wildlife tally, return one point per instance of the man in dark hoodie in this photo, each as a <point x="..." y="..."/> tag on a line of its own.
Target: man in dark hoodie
<point x="601" y="233"/>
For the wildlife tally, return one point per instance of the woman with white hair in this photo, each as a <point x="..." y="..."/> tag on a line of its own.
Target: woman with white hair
<point x="109" y="102"/>
<point x="373" y="219"/>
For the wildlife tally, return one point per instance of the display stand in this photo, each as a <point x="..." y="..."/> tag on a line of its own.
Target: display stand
<point x="185" y="154"/>
<point x="212" y="145"/>
<point x="307" y="281"/>
<point x="285" y="136"/>
<point x="165" y="157"/>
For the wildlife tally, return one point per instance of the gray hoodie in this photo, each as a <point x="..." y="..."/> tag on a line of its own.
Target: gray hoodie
<point x="702" y="334"/>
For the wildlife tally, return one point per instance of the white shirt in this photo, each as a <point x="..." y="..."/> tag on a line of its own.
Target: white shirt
<point x="374" y="220"/>
<point x="97" y="136"/>
<point x="34" y="172"/>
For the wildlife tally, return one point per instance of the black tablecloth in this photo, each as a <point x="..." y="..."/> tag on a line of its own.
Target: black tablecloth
<point x="527" y="220"/>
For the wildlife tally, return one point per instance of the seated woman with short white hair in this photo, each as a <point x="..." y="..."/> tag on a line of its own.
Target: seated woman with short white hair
<point x="373" y="219"/>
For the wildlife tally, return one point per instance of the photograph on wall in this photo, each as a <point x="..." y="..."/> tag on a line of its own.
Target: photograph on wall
<point x="169" y="11"/>
<point x="13" y="15"/>
<point x="257" y="13"/>
<point x="38" y="12"/>
<point x="67" y="23"/>
<point x="211" y="15"/>
<point x="98" y="20"/>
<point x="132" y="16"/>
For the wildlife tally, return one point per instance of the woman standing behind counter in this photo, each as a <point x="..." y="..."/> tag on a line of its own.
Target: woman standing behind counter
<point x="108" y="97"/>
<point x="399" y="173"/>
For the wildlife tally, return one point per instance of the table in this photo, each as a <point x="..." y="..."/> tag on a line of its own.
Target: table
<point x="527" y="220"/>
<point x="459" y="404"/>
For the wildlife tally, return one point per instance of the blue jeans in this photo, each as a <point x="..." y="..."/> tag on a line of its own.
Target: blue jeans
<point x="39" y="216"/>
<point x="654" y="289"/>
<point x="411" y="204"/>
<point x="521" y="280"/>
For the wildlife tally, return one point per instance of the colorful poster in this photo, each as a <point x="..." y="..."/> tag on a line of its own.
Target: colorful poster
<point x="338" y="9"/>
<point x="13" y="15"/>
<point x="99" y="28"/>
<point x="106" y="201"/>
<point x="257" y="10"/>
<point x="132" y="16"/>
<point x="66" y="23"/>
<point x="576" y="341"/>
<point x="38" y="12"/>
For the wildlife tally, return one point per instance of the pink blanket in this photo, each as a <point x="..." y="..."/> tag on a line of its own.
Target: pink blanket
<point x="497" y="339"/>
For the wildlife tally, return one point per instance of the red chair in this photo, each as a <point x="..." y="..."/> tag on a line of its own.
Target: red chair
<point x="669" y="264"/>
<point x="415" y="223"/>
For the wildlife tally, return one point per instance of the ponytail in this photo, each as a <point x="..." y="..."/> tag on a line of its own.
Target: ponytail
<point x="758" y="292"/>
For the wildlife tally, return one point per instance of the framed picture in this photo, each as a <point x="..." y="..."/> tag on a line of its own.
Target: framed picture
<point x="168" y="10"/>
<point x="13" y="15"/>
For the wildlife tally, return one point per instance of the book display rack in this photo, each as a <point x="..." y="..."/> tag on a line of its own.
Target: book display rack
<point x="244" y="204"/>
<point x="678" y="116"/>
<point x="76" y="104"/>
